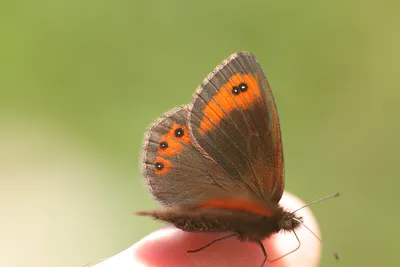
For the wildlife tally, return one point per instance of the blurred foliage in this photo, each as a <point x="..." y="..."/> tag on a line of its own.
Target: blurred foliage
<point x="81" y="80"/>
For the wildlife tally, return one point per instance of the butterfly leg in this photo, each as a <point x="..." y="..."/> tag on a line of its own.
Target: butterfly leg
<point x="212" y="242"/>
<point x="290" y="252"/>
<point x="265" y="252"/>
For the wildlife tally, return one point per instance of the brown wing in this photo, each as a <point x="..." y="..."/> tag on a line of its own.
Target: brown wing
<point x="176" y="172"/>
<point x="233" y="119"/>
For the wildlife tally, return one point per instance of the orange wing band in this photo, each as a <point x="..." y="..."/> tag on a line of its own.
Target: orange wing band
<point x="225" y="102"/>
<point x="239" y="205"/>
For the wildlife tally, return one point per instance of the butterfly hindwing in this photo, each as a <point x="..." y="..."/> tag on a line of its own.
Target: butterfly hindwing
<point x="233" y="119"/>
<point x="176" y="172"/>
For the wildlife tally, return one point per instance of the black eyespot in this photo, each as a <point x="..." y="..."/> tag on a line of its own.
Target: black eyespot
<point x="159" y="166"/>
<point x="235" y="90"/>
<point x="243" y="87"/>
<point x="163" y="145"/>
<point x="179" y="132"/>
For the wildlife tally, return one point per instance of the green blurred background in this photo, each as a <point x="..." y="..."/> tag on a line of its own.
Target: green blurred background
<point x="81" y="80"/>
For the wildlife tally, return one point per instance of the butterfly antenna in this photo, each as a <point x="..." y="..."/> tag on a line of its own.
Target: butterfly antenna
<point x="335" y="254"/>
<point x="318" y="200"/>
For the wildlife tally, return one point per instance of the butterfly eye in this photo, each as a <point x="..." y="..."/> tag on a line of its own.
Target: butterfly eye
<point x="243" y="87"/>
<point x="235" y="90"/>
<point x="179" y="132"/>
<point x="159" y="166"/>
<point x="163" y="145"/>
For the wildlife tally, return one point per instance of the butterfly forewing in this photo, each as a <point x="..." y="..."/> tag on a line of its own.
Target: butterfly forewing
<point x="233" y="119"/>
<point x="248" y="62"/>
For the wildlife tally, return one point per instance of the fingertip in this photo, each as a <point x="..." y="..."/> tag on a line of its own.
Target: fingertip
<point x="169" y="246"/>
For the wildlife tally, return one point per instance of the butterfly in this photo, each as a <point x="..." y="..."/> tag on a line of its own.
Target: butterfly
<point x="217" y="163"/>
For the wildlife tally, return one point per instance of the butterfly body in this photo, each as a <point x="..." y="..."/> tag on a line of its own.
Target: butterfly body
<point x="217" y="163"/>
<point x="255" y="222"/>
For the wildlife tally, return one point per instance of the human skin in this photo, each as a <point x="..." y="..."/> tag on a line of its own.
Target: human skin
<point x="168" y="247"/>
